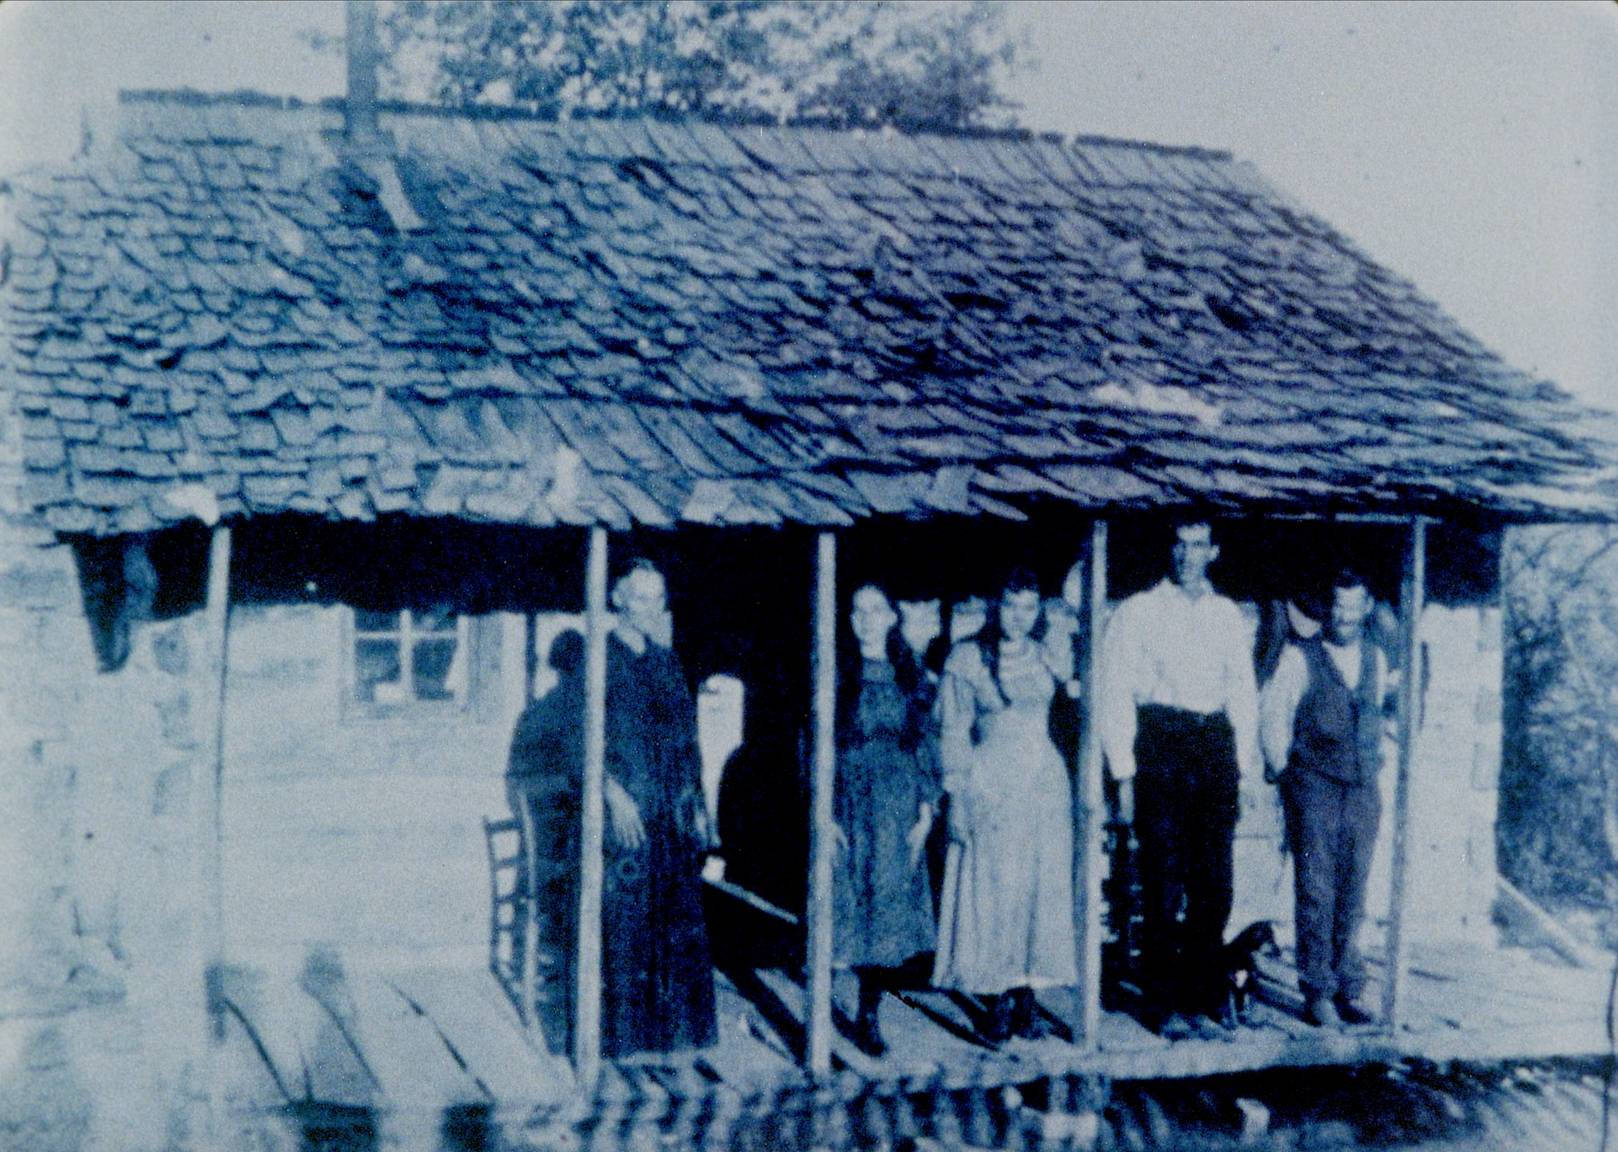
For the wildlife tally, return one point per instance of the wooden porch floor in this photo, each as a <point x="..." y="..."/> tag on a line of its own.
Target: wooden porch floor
<point x="443" y="1039"/>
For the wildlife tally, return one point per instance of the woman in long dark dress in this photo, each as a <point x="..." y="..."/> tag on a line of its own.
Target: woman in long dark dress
<point x="886" y="794"/>
<point x="657" y="971"/>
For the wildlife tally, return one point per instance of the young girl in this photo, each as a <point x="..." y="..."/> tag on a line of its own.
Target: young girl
<point x="887" y="791"/>
<point x="1006" y="918"/>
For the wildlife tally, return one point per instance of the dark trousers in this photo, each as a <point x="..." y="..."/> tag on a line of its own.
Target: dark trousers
<point x="1331" y="828"/>
<point x="1185" y="823"/>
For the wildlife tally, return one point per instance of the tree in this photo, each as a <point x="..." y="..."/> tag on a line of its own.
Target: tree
<point x="873" y="64"/>
<point x="1559" y="777"/>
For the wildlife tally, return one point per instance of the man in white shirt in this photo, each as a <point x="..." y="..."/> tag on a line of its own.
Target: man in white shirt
<point x="1321" y="728"/>
<point x="1179" y="725"/>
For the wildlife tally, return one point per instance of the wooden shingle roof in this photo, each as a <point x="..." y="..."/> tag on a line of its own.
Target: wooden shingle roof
<point x="522" y="322"/>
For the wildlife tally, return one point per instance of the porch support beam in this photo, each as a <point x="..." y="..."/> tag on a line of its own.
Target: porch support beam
<point x="1332" y="517"/>
<point x="1412" y="599"/>
<point x="208" y="823"/>
<point x="587" y="1006"/>
<point x="530" y="657"/>
<point x="822" y="782"/>
<point x="1089" y="797"/>
<point x="210" y="811"/>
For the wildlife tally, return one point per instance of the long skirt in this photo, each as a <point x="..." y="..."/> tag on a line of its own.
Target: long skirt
<point x="883" y="903"/>
<point x="1006" y="915"/>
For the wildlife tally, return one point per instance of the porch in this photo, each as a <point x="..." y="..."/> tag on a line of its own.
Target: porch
<point x="380" y="1024"/>
<point x="425" y="1047"/>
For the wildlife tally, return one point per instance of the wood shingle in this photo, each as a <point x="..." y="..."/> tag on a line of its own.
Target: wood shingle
<point x="728" y="325"/>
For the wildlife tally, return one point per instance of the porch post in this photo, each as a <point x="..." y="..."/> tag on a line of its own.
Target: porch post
<point x="1089" y="801"/>
<point x="529" y="924"/>
<point x="210" y="813"/>
<point x="208" y="817"/>
<point x="587" y="1007"/>
<point x="1411" y="597"/>
<point x="822" y="780"/>
<point x="530" y="657"/>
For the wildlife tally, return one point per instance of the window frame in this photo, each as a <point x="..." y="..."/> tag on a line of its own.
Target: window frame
<point x="407" y="635"/>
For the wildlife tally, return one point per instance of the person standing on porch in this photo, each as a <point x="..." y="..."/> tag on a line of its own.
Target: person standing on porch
<point x="1321" y="725"/>
<point x="1006" y="916"/>
<point x="921" y="627"/>
<point x="886" y="795"/>
<point x="1179" y="726"/>
<point x="657" y="971"/>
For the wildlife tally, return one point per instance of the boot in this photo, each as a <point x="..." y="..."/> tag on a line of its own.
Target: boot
<point x="1321" y="1012"/>
<point x="1026" y="1019"/>
<point x="1349" y="1010"/>
<point x="998" y="1028"/>
<point x="1171" y="1026"/>
<point x="867" y="1030"/>
<point x="868" y="1035"/>
<point x="1022" y="1013"/>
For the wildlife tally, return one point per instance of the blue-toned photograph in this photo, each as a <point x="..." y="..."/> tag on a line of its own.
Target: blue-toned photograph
<point x="802" y="576"/>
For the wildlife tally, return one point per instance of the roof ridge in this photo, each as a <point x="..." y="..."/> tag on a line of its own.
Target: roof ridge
<point x="197" y="98"/>
<point x="1194" y="151"/>
<point x="251" y="98"/>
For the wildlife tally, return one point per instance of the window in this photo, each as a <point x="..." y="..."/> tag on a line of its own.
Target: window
<point x="410" y="658"/>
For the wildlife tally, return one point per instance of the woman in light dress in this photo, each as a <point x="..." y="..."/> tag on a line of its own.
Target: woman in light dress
<point x="1006" y="914"/>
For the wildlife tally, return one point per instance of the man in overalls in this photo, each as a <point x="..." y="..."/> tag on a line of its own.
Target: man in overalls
<point x="1321" y="727"/>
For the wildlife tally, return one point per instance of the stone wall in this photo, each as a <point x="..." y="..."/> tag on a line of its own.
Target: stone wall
<point x="38" y="659"/>
<point x="101" y="1007"/>
<point x="1453" y="797"/>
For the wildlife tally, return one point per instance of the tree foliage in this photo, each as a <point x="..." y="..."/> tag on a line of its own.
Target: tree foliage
<point x="1559" y="778"/>
<point x="872" y="64"/>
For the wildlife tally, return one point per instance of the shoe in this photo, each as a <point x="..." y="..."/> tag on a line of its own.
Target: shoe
<point x="1027" y="1022"/>
<point x="1351" y="1013"/>
<point x="1320" y="1012"/>
<point x="997" y="1029"/>
<point x="1207" y="1028"/>
<point x="1174" y="1027"/>
<point x="1040" y="1027"/>
<point x="868" y="1036"/>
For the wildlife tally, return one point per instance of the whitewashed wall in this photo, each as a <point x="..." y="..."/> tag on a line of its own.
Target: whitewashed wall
<point x="101" y="1013"/>
<point x="363" y="834"/>
<point x="349" y="831"/>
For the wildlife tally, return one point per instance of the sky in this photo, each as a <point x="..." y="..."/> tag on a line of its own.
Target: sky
<point x="1472" y="147"/>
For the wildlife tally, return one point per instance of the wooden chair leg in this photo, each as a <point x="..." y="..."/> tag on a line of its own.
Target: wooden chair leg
<point x="529" y="911"/>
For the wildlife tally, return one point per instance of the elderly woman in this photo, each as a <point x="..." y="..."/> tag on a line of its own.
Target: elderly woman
<point x="886" y="794"/>
<point x="657" y="974"/>
<point x="1006" y="919"/>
